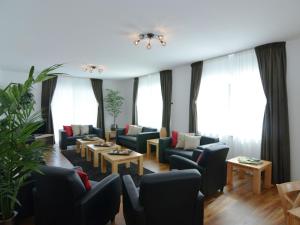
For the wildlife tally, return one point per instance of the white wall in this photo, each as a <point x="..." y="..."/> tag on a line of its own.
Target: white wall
<point x="181" y="98"/>
<point x="7" y="77"/>
<point x="293" y="89"/>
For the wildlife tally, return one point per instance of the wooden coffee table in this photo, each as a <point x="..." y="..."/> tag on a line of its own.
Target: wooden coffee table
<point x="115" y="160"/>
<point x="97" y="151"/>
<point x="81" y="144"/>
<point x="256" y="170"/>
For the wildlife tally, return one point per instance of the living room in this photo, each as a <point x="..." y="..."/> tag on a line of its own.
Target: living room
<point x="147" y="113"/>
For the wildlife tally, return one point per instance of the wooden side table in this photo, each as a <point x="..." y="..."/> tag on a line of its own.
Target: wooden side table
<point x="109" y="134"/>
<point x="256" y="170"/>
<point x="154" y="142"/>
<point x="293" y="216"/>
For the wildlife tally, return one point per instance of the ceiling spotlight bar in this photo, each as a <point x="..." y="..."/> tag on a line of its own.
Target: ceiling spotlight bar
<point x="92" y="68"/>
<point x="148" y="37"/>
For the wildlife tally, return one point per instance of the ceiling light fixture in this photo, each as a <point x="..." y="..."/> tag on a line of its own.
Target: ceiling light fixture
<point x="148" y="37"/>
<point x="92" y="68"/>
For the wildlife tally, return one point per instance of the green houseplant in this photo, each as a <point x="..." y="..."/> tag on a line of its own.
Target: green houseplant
<point x="20" y="155"/>
<point x="113" y="105"/>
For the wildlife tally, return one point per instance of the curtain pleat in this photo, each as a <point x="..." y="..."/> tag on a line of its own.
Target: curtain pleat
<point x="275" y="145"/>
<point x="166" y="92"/>
<point x="194" y="90"/>
<point x="48" y="88"/>
<point x="134" y="101"/>
<point x="98" y="91"/>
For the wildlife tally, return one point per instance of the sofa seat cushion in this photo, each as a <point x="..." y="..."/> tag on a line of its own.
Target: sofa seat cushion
<point x="173" y="151"/>
<point x="128" y="141"/>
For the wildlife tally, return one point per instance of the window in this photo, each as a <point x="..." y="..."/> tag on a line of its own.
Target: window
<point x="73" y="102"/>
<point x="149" y="101"/>
<point x="231" y="102"/>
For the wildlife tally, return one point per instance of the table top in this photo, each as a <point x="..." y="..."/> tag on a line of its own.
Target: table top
<point x="98" y="148"/>
<point x="133" y="155"/>
<point x="295" y="212"/>
<point x="97" y="139"/>
<point x="154" y="141"/>
<point x="260" y="166"/>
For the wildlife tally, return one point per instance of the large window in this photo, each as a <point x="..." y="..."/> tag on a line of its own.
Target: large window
<point x="149" y="101"/>
<point x="231" y="102"/>
<point x="73" y="102"/>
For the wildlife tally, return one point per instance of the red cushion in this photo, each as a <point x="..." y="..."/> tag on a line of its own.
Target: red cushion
<point x="174" y="138"/>
<point x="68" y="130"/>
<point x="126" y="128"/>
<point x="85" y="179"/>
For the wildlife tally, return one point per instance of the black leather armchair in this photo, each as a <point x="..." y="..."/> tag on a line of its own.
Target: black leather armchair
<point x="212" y="166"/>
<point x="137" y="143"/>
<point x="65" y="141"/>
<point x="61" y="198"/>
<point x="164" y="198"/>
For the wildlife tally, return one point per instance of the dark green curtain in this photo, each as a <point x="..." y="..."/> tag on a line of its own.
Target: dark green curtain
<point x="166" y="92"/>
<point x="134" y="99"/>
<point x="275" y="145"/>
<point x="194" y="90"/>
<point x="48" y="88"/>
<point x="98" y="92"/>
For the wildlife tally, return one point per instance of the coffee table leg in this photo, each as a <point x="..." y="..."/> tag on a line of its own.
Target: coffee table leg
<point x="88" y="155"/>
<point x="103" y="165"/>
<point x="157" y="152"/>
<point x="114" y="167"/>
<point x="256" y="184"/>
<point x="148" y="150"/>
<point x="127" y="164"/>
<point x="82" y="151"/>
<point x="140" y="166"/>
<point x="229" y="175"/>
<point x="96" y="160"/>
<point x="268" y="177"/>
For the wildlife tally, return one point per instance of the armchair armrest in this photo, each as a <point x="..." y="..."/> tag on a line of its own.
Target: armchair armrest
<point x="142" y="140"/>
<point x="181" y="163"/>
<point x="164" y="143"/>
<point x="62" y="139"/>
<point x="196" y="153"/>
<point x="98" y="131"/>
<point x="133" y="211"/>
<point x="104" y="197"/>
<point x="199" y="209"/>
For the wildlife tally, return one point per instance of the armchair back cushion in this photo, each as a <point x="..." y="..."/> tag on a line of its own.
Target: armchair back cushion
<point x="169" y="198"/>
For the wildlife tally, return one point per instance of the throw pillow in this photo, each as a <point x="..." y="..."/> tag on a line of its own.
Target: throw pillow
<point x="126" y="128"/>
<point x="76" y="130"/>
<point x="134" y="130"/>
<point x="85" y="179"/>
<point x="191" y="142"/>
<point x="68" y="130"/>
<point x="174" y="138"/>
<point x="84" y="129"/>
<point x="181" y="139"/>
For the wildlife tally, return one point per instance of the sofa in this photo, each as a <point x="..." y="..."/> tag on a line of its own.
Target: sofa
<point x="166" y="150"/>
<point x="65" y="141"/>
<point x="137" y="143"/>
<point x="210" y="161"/>
<point x="164" y="198"/>
<point x="60" y="198"/>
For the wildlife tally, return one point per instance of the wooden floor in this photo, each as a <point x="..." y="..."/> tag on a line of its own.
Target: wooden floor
<point x="238" y="206"/>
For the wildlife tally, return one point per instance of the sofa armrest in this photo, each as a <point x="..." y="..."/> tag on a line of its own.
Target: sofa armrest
<point x="196" y="153"/>
<point x="120" y="131"/>
<point x="62" y="139"/>
<point x="164" y="143"/>
<point x="133" y="211"/>
<point x="182" y="163"/>
<point x="98" y="131"/>
<point x="142" y="138"/>
<point x="104" y="197"/>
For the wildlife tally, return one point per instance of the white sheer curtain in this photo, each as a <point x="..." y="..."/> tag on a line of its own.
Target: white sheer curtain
<point x="149" y="101"/>
<point x="73" y="103"/>
<point x="231" y="102"/>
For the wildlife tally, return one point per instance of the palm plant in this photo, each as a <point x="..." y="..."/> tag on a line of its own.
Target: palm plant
<point x="113" y="104"/>
<point x="19" y="154"/>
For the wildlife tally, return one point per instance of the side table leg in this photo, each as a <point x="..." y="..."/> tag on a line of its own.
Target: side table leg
<point x="157" y="152"/>
<point x="148" y="150"/>
<point x="140" y="166"/>
<point x="268" y="177"/>
<point x="256" y="184"/>
<point x="229" y="175"/>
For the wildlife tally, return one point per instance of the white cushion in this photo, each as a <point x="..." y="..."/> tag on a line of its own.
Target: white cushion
<point x="76" y="129"/>
<point x="84" y="129"/>
<point x="191" y="142"/>
<point x="134" y="130"/>
<point x="181" y="139"/>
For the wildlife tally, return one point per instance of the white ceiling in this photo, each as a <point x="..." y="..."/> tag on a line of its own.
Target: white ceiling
<point x="44" y="32"/>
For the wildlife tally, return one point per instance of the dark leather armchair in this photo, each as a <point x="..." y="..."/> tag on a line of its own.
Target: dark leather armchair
<point x="164" y="198"/>
<point x="212" y="166"/>
<point x="61" y="198"/>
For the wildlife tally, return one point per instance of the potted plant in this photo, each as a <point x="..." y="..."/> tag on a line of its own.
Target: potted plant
<point x="20" y="154"/>
<point x="113" y="104"/>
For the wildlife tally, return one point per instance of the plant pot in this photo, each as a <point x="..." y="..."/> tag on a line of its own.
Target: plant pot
<point x="10" y="221"/>
<point x="114" y="127"/>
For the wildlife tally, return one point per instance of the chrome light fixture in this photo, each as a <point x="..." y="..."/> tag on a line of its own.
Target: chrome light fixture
<point x="92" y="68"/>
<point x="149" y="37"/>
